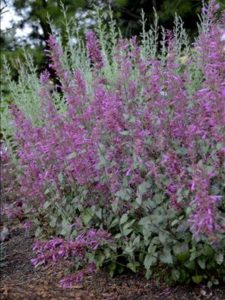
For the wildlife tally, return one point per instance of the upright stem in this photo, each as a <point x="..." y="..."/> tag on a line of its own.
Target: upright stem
<point x="154" y="4"/>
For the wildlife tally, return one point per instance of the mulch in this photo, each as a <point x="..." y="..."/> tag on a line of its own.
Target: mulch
<point x="20" y="280"/>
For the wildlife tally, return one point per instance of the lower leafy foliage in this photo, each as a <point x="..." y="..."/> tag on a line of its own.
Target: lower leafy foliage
<point x="159" y="242"/>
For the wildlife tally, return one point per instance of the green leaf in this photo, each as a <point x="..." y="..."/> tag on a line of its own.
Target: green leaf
<point x="86" y="216"/>
<point x="162" y="237"/>
<point x="209" y="284"/>
<point x="121" y="2"/>
<point x="129" y="224"/>
<point x="38" y="232"/>
<point x="107" y="252"/>
<point x="166" y="256"/>
<point x="207" y="251"/>
<point x="114" y="223"/>
<point x="99" y="259"/>
<point x="183" y="227"/>
<point x="139" y="200"/>
<point x="149" y="261"/>
<point x="174" y="222"/>
<point x="158" y="219"/>
<point x="202" y="263"/>
<point x="190" y="265"/>
<point x="219" y="257"/>
<point x="120" y="269"/>
<point x="181" y="251"/>
<point x="175" y="275"/>
<point x="219" y="146"/>
<point x="46" y="204"/>
<point x="136" y="241"/>
<point x="112" y="268"/>
<point x="145" y="221"/>
<point x="53" y="221"/>
<point x="99" y="213"/>
<point x="197" y="279"/>
<point x="123" y="194"/>
<point x="123" y="219"/>
<point x="194" y="254"/>
<point x="127" y="231"/>
<point x="132" y="266"/>
<point x="148" y="274"/>
<point x="47" y="191"/>
<point x="143" y="187"/>
<point x="158" y="198"/>
<point x="114" y="205"/>
<point x="118" y="236"/>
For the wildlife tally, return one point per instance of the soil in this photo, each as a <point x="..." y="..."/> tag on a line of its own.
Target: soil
<point x="20" y="280"/>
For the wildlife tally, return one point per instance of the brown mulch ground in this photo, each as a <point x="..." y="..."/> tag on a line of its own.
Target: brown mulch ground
<point x="19" y="280"/>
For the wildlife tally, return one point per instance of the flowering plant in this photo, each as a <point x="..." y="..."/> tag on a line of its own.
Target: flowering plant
<point x="133" y="143"/>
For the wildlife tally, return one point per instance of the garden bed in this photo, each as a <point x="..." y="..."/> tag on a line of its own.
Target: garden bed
<point x="20" y="280"/>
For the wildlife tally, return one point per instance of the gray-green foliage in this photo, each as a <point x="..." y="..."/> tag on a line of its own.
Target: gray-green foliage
<point x="151" y="236"/>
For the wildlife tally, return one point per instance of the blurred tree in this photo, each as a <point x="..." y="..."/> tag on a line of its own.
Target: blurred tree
<point x="128" y="13"/>
<point x="35" y="15"/>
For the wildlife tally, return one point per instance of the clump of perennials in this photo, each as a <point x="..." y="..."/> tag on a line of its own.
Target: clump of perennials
<point x="126" y="163"/>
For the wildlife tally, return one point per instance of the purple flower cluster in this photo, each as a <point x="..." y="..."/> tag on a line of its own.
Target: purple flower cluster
<point x="203" y="217"/>
<point x="93" y="50"/>
<point x="58" y="248"/>
<point x="70" y="280"/>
